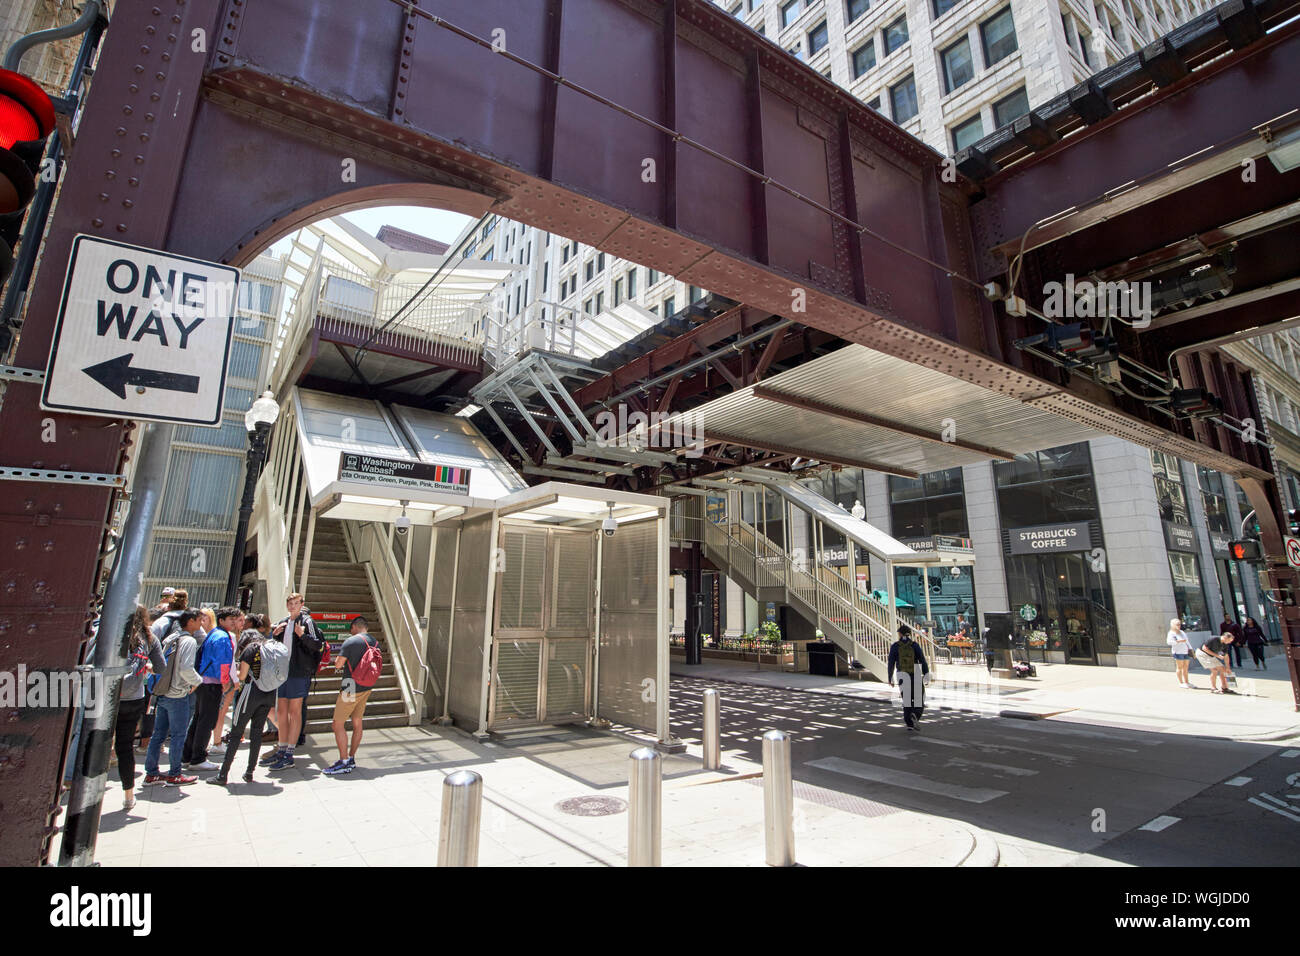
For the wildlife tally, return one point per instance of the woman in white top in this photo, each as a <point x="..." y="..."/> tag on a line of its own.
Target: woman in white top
<point x="1177" y="641"/>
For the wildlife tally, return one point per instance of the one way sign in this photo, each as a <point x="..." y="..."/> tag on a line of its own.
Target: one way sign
<point x="141" y="334"/>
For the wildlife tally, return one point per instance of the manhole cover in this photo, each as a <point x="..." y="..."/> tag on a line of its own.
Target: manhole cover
<point x="592" y="806"/>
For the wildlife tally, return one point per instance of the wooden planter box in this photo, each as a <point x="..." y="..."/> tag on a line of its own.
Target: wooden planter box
<point x="766" y="657"/>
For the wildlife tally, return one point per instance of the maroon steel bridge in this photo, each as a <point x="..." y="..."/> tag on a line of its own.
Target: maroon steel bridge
<point x="690" y="145"/>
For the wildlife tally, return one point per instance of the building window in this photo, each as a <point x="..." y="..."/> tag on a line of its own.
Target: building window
<point x="856" y="8"/>
<point x="958" y="66"/>
<point x="1189" y="595"/>
<point x="1169" y="489"/>
<point x="654" y="310"/>
<point x="943" y="6"/>
<point x="796" y="51"/>
<point x="1046" y="487"/>
<point x="874" y="103"/>
<point x="999" y="36"/>
<point x="600" y="302"/>
<point x="652" y="276"/>
<point x="590" y="270"/>
<point x="1010" y="108"/>
<point x="586" y="307"/>
<point x="618" y="292"/>
<point x="895" y="35"/>
<point x="818" y="37"/>
<point x="546" y="276"/>
<point x="695" y="293"/>
<point x="902" y="97"/>
<point x="790" y="12"/>
<point x="600" y="262"/>
<point x="631" y="284"/>
<point x="1214" y="499"/>
<point x="967" y="133"/>
<point x="670" y="306"/>
<point x="864" y="58"/>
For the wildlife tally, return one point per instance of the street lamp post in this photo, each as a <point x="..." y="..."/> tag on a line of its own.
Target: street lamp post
<point x="258" y="420"/>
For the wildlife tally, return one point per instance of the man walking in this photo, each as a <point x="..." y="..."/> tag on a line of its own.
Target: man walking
<point x="907" y="659"/>
<point x="213" y="663"/>
<point x="306" y="646"/>
<point x="174" y="702"/>
<point x="360" y="660"/>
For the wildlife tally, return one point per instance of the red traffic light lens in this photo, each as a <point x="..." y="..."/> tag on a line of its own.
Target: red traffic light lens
<point x="1238" y="551"/>
<point x="26" y="113"/>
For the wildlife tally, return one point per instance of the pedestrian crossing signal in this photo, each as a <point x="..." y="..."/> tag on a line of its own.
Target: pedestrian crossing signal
<point x="1244" y="550"/>
<point x="26" y="120"/>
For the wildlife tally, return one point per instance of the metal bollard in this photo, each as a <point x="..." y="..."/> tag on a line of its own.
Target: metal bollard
<point x="462" y="806"/>
<point x="778" y="799"/>
<point x="643" y="817"/>
<point x="712" y="735"/>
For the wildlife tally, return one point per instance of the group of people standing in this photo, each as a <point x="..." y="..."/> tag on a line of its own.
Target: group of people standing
<point x="188" y="667"/>
<point x="1216" y="654"/>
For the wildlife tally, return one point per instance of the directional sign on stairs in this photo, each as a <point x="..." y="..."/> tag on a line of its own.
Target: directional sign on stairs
<point x="141" y="334"/>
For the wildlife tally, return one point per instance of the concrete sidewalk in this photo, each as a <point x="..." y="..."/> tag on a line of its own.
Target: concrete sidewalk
<point x="1130" y="698"/>
<point x="386" y="813"/>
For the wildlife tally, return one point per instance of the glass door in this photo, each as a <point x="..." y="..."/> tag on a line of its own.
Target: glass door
<point x="1075" y="609"/>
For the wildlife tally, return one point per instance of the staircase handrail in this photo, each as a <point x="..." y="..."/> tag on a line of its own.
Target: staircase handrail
<point x="371" y="549"/>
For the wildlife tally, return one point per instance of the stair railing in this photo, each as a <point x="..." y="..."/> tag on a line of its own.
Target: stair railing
<point x="396" y="611"/>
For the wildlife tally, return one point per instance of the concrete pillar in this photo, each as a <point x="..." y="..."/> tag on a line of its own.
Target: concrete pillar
<point x="986" y="534"/>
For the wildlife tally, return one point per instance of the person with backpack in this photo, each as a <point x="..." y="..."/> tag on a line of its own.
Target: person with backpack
<point x="306" y="647"/>
<point x="172" y="689"/>
<point x="262" y="667"/>
<point x="213" y="660"/>
<point x="908" y="660"/>
<point x="142" y="652"/>
<point x="361" y="661"/>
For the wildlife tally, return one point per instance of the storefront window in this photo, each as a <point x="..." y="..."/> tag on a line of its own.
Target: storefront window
<point x="1189" y="595"/>
<point x="929" y="505"/>
<point x="1169" y="488"/>
<point x="1046" y="486"/>
<point x="1216" y="502"/>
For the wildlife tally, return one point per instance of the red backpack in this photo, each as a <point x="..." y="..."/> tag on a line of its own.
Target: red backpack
<point x="366" y="673"/>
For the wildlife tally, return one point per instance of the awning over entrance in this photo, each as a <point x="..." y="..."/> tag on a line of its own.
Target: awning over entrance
<point x="577" y="506"/>
<point x="865" y="409"/>
<point x="362" y="459"/>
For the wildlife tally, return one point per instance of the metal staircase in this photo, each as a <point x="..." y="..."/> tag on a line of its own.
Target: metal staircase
<point x="859" y="623"/>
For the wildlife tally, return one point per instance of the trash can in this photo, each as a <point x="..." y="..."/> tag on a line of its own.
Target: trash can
<point x="821" y="658"/>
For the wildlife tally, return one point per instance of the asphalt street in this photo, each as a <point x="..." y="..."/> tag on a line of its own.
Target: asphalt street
<point x="1051" y="792"/>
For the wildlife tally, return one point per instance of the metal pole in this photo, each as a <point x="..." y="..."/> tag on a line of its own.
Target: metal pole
<point x="462" y="808"/>
<point x="778" y="799"/>
<point x="451" y="621"/>
<point x="252" y="471"/>
<point x="643" y="815"/>
<point x="120" y="599"/>
<point x="712" y="737"/>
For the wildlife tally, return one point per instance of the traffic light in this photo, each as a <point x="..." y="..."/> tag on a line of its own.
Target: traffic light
<point x="26" y="119"/>
<point x="1293" y="521"/>
<point x="1244" y="550"/>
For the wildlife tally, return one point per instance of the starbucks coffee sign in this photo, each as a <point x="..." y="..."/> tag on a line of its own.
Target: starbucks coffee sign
<point x="1044" y="538"/>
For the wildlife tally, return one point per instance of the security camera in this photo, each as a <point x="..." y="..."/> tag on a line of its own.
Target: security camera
<point x="609" y="525"/>
<point x="403" y="523"/>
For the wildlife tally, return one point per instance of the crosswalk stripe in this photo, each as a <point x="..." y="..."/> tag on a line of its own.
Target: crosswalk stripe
<point x="1279" y="812"/>
<point x="1237" y="782"/>
<point x="1289" y="753"/>
<point x="994" y="767"/>
<point x="1160" y="823"/>
<point x="901" y="778"/>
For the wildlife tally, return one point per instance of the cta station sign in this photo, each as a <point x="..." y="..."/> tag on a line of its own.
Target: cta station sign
<point x="1044" y="538"/>
<point x="401" y="473"/>
<point x="141" y="334"/>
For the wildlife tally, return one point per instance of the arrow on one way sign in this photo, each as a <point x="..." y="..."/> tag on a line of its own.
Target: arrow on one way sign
<point x="116" y="374"/>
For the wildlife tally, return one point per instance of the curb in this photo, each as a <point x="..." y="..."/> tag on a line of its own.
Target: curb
<point x="984" y="852"/>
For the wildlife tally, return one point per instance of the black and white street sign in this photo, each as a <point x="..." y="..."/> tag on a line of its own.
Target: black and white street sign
<point x="141" y="334"/>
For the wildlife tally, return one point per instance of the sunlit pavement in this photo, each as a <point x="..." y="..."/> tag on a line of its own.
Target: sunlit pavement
<point x="1263" y="708"/>
<point x="387" y="813"/>
<point x="1051" y="791"/>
